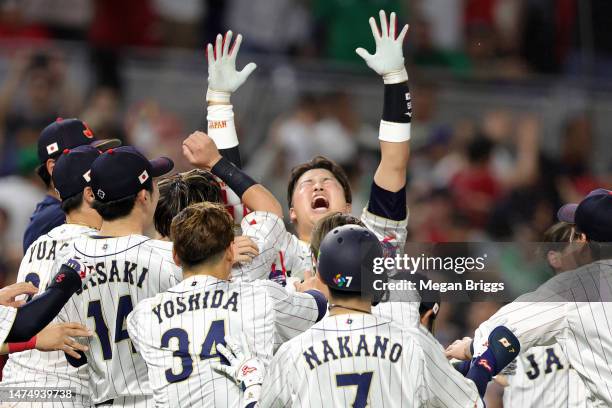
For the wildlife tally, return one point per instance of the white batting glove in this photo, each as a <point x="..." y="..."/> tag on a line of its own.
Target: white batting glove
<point x="223" y="78"/>
<point x="388" y="60"/>
<point x="244" y="368"/>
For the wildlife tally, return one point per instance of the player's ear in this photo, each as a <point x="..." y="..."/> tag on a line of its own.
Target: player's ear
<point x="50" y="164"/>
<point x="426" y="317"/>
<point x="88" y="196"/>
<point x="175" y="258"/>
<point x="142" y="195"/>
<point x="292" y="215"/>
<point x="554" y="259"/>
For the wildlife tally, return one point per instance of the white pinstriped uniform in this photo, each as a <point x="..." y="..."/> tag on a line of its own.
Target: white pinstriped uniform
<point x="358" y="359"/>
<point x="7" y="318"/>
<point x="294" y="256"/>
<point x="176" y="332"/>
<point x="544" y="378"/>
<point x="127" y="270"/>
<point x="568" y="310"/>
<point x="47" y="369"/>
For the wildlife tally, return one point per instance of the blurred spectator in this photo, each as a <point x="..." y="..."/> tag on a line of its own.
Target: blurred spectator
<point x="103" y="114"/>
<point x="65" y="19"/>
<point x="14" y="25"/>
<point x="343" y="25"/>
<point x="33" y="95"/>
<point x="179" y="21"/>
<point x="271" y="26"/>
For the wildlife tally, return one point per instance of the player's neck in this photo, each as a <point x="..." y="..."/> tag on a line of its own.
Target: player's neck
<point x="304" y="233"/>
<point x="218" y="270"/>
<point x="52" y="192"/>
<point x="80" y="217"/>
<point x="346" y="306"/>
<point x="129" y="225"/>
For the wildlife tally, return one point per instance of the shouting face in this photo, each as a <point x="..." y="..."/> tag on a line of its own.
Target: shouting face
<point x="316" y="194"/>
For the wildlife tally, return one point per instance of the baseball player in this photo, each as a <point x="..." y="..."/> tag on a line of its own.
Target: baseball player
<point x="320" y="186"/>
<point x="543" y="376"/>
<point x="71" y="178"/>
<point x="54" y="139"/>
<point x="354" y="358"/>
<point x="195" y="186"/>
<point x="20" y="322"/>
<point x="573" y="308"/>
<point x="178" y="332"/>
<point x="128" y="268"/>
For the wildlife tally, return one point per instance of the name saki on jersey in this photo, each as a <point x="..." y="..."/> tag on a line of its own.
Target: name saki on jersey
<point x="114" y="271"/>
<point x="196" y="301"/>
<point x="342" y="347"/>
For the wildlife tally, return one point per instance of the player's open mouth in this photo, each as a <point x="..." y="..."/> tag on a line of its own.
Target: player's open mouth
<point x="320" y="204"/>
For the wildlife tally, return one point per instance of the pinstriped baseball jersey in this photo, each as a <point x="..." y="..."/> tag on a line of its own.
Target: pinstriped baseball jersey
<point x="126" y="270"/>
<point x="361" y="360"/>
<point x="7" y="318"/>
<point x="405" y="314"/>
<point x="176" y="332"/>
<point x="295" y="257"/>
<point x="544" y="378"/>
<point x="568" y="309"/>
<point x="48" y="369"/>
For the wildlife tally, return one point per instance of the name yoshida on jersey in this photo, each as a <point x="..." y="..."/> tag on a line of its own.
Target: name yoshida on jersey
<point x="48" y="369"/>
<point x="122" y="272"/>
<point x="177" y="332"/>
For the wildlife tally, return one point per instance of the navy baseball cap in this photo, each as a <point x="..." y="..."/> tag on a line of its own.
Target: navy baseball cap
<point x="68" y="134"/>
<point x="347" y="257"/>
<point x="124" y="171"/>
<point x="593" y="216"/>
<point x="72" y="171"/>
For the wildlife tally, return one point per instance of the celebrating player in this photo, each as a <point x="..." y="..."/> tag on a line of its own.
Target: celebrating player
<point x="177" y="332"/>
<point x="71" y="178"/>
<point x="320" y="186"/>
<point x="54" y="139"/>
<point x="573" y="308"/>
<point x="128" y="267"/>
<point x="354" y="358"/>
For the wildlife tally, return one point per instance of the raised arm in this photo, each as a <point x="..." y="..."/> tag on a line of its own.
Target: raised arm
<point x="201" y="152"/>
<point x="388" y="198"/>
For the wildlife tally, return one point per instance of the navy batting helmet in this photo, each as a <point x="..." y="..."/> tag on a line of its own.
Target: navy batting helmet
<point x="347" y="257"/>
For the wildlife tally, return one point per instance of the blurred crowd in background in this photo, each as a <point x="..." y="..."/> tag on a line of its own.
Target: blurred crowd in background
<point x="486" y="176"/>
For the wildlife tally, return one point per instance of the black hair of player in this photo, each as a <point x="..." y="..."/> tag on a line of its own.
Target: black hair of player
<point x="114" y="210"/>
<point x="44" y="174"/>
<point x="72" y="203"/>
<point x="339" y="295"/>
<point x="319" y="162"/>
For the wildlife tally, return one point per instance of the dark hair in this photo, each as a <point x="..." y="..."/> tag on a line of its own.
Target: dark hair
<point x="44" y="174"/>
<point x="180" y="191"/>
<point x="343" y="295"/>
<point x="319" y="162"/>
<point x="479" y="149"/>
<point x="328" y="223"/>
<point x="72" y="203"/>
<point x="113" y="210"/>
<point x="201" y="233"/>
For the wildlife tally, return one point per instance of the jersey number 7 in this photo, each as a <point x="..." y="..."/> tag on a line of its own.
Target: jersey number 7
<point x="362" y="381"/>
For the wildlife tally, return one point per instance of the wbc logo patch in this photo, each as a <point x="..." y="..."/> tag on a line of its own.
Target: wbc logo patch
<point x="143" y="177"/>
<point x="52" y="148"/>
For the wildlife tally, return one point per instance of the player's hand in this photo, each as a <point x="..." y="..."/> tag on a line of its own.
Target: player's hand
<point x="244" y="368"/>
<point x="223" y="78"/>
<point x="388" y="60"/>
<point x="311" y="282"/>
<point x="200" y="150"/>
<point x="8" y="294"/>
<point x="245" y="249"/>
<point x="60" y="336"/>
<point x="460" y="349"/>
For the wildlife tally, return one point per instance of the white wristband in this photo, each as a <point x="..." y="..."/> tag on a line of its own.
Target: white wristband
<point x="217" y="96"/>
<point x="221" y="128"/>
<point x="396" y="77"/>
<point x="394" y="132"/>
